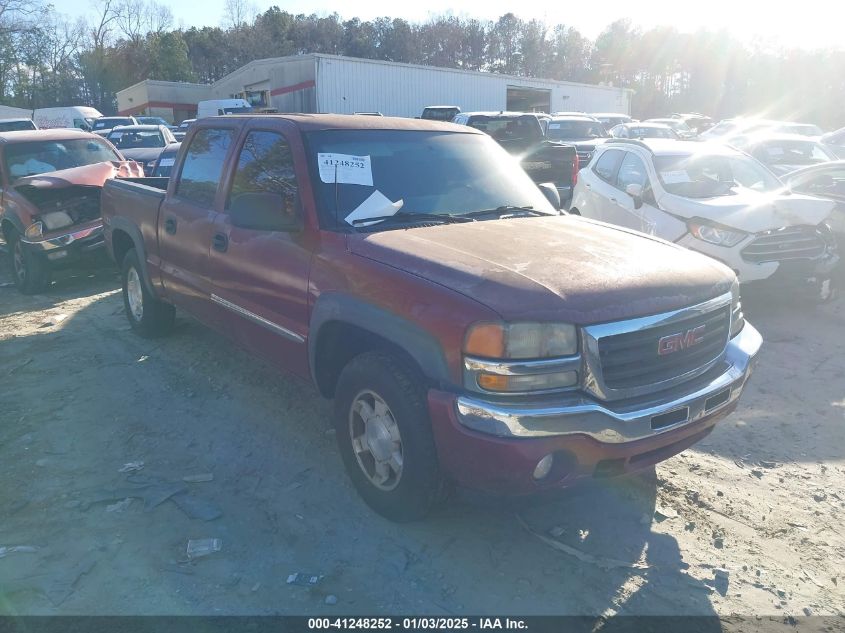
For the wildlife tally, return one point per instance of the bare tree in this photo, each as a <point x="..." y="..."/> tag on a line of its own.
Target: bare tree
<point x="137" y="18"/>
<point x="237" y="13"/>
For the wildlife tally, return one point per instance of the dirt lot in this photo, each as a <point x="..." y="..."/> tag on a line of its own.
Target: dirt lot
<point x="747" y="522"/>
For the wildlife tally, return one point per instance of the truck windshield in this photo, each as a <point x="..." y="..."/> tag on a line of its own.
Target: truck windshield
<point x="137" y="139"/>
<point x="711" y="175"/>
<point x="381" y="171"/>
<point x="107" y="124"/>
<point x="39" y="157"/>
<point x="570" y="129"/>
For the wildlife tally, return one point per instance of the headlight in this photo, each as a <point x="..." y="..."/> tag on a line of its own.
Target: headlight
<point x="737" y="317"/>
<point x="56" y="220"/>
<point x="34" y="231"/>
<point x="521" y="357"/>
<point x="715" y="234"/>
<point x="519" y="341"/>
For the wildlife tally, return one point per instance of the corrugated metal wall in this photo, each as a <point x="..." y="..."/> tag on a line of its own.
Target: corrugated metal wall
<point x="346" y="85"/>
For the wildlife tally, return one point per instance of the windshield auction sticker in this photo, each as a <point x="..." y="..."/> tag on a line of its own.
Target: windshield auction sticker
<point x="675" y="177"/>
<point x="345" y="169"/>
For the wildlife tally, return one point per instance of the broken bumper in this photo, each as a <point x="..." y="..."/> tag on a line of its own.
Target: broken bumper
<point x="497" y="447"/>
<point x="69" y="247"/>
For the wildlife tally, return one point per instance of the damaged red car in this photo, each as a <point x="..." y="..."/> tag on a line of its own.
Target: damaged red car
<point x="50" y="209"/>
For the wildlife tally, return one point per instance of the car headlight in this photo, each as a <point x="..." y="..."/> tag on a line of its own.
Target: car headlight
<point x="737" y="317"/>
<point x="55" y="220"/>
<point x="521" y="357"/>
<point x="521" y="341"/>
<point x="34" y="231"/>
<point x="715" y="234"/>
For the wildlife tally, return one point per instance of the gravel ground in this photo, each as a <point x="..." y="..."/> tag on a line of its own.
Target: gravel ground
<point x="747" y="522"/>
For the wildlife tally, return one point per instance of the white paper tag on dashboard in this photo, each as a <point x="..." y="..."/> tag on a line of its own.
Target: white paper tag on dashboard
<point x="349" y="169"/>
<point x="166" y="162"/>
<point x="675" y="177"/>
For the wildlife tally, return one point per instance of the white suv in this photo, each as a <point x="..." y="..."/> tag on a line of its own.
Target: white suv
<point x="713" y="199"/>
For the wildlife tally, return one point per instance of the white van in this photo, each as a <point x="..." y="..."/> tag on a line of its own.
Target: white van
<point x="80" y="117"/>
<point x="216" y="107"/>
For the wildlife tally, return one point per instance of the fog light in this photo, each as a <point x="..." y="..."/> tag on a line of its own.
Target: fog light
<point x="544" y="467"/>
<point x="528" y="382"/>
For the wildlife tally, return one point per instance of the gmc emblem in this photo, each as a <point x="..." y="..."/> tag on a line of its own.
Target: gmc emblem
<point x="682" y="340"/>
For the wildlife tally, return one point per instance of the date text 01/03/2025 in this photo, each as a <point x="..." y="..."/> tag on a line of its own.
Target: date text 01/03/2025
<point x="417" y="624"/>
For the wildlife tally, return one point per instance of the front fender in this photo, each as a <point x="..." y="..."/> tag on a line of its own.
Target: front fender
<point x="423" y="347"/>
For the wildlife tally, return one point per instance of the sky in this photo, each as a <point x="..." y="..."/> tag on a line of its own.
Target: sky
<point x="747" y="19"/>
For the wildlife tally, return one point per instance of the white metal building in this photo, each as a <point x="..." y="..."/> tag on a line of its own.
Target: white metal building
<point x="343" y="85"/>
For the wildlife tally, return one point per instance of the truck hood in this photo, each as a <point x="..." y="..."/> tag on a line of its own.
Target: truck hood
<point x="561" y="268"/>
<point x="92" y="175"/>
<point x="752" y="211"/>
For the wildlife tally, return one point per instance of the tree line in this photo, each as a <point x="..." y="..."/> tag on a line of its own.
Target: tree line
<point x="47" y="59"/>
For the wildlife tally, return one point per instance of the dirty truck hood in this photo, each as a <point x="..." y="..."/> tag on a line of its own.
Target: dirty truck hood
<point x="752" y="211"/>
<point x="92" y="175"/>
<point x="557" y="268"/>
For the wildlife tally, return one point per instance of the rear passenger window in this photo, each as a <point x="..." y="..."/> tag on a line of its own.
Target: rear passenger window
<point x="608" y="164"/>
<point x="203" y="166"/>
<point x="265" y="165"/>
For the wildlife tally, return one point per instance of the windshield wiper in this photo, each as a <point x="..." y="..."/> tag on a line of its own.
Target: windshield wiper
<point x="409" y="217"/>
<point x="505" y="208"/>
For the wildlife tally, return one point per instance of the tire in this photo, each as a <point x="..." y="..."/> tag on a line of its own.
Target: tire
<point x="419" y="485"/>
<point x="574" y="211"/>
<point x="148" y="316"/>
<point x="29" y="271"/>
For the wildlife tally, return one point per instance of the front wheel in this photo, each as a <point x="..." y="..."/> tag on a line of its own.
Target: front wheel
<point x="384" y="435"/>
<point x="31" y="273"/>
<point x="147" y="315"/>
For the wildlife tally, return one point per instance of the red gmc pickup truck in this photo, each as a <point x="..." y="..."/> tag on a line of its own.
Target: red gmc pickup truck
<point x="467" y="331"/>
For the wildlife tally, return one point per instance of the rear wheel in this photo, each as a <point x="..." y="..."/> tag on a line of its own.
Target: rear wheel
<point x="30" y="272"/>
<point x="384" y="435"/>
<point x="147" y="315"/>
<point x="574" y="211"/>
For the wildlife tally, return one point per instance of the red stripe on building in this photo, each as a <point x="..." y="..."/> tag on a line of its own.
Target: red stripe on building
<point x="300" y="86"/>
<point x="158" y="104"/>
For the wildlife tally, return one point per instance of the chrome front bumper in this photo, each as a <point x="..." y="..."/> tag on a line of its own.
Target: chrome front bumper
<point x="89" y="233"/>
<point x="619" y="421"/>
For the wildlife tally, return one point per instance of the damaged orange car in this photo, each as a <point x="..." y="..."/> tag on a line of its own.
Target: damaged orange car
<point x="50" y="208"/>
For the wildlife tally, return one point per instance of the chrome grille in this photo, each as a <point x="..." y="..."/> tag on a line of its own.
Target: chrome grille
<point x="793" y="242"/>
<point x="624" y="360"/>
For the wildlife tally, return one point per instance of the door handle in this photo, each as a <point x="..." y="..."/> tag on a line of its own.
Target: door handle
<point x="170" y="225"/>
<point x="588" y="185"/>
<point x="220" y="242"/>
<point x="613" y="200"/>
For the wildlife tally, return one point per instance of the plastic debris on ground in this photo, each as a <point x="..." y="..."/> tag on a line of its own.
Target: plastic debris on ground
<point x="203" y="547"/>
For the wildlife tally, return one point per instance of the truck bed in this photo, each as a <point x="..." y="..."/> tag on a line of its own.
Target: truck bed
<point x="132" y="205"/>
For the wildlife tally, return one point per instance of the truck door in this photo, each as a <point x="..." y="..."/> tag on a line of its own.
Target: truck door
<point x="259" y="267"/>
<point x="187" y="218"/>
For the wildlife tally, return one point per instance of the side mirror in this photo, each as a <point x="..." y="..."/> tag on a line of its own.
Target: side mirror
<point x="636" y="192"/>
<point x="264" y="211"/>
<point x="550" y="191"/>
